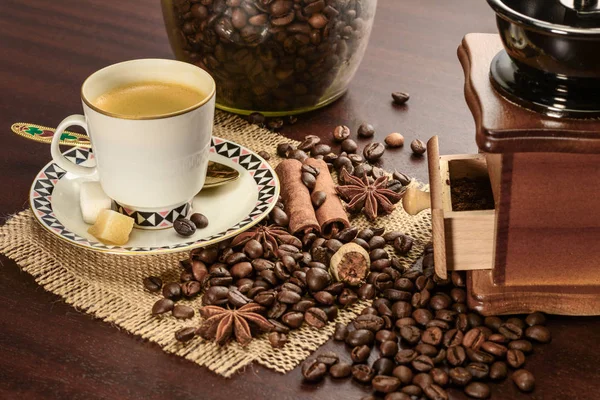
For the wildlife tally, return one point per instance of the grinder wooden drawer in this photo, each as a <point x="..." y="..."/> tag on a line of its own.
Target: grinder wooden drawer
<point x="462" y="240"/>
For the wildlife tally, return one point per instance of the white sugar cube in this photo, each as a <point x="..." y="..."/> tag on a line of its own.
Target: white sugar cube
<point x="112" y="227"/>
<point x="92" y="200"/>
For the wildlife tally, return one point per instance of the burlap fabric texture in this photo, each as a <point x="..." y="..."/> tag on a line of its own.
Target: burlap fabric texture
<point x="110" y="287"/>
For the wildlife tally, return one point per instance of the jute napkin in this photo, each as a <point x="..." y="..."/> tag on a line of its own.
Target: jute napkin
<point x="110" y="287"/>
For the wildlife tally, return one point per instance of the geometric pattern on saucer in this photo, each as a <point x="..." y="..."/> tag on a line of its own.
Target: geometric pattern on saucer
<point x="40" y="199"/>
<point x="156" y="219"/>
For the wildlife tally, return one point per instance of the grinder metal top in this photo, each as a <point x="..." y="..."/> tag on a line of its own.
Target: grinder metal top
<point x="551" y="56"/>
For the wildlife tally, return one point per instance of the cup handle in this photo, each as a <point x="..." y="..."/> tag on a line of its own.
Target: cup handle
<point x="58" y="157"/>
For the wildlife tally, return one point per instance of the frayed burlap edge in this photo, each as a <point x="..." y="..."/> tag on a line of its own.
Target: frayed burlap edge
<point x="109" y="287"/>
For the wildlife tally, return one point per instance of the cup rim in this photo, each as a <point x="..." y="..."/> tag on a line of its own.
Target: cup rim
<point x="205" y="100"/>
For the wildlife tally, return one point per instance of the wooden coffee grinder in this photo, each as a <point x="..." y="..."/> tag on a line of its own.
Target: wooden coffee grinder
<point x="534" y="92"/>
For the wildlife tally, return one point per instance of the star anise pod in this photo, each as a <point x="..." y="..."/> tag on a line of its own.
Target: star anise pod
<point x="269" y="236"/>
<point x="221" y="324"/>
<point x="373" y="198"/>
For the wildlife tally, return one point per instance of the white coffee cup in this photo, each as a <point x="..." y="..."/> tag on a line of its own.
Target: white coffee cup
<point x="151" y="167"/>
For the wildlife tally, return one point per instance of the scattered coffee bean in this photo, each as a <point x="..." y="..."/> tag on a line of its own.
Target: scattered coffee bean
<point x="185" y="334"/>
<point x="385" y="384"/>
<point x="360" y="353"/>
<point x="316" y="317"/>
<point x="153" y="284"/>
<point x="340" y="333"/>
<point x="478" y="370"/>
<point x="383" y="366"/>
<point x="403" y="244"/>
<point x="477" y="390"/>
<point x="172" y="291"/>
<point x="403" y="178"/>
<point x="277" y="339"/>
<point x="341" y="133"/>
<point x="256" y="118"/>
<point x="264" y="155"/>
<point x="538" y="333"/>
<point x="184" y="227"/>
<point x="313" y="370"/>
<point x="182" y="312"/>
<point x="460" y="376"/>
<point x="400" y="97"/>
<point x="366" y="130"/>
<point x="199" y="220"/>
<point x="320" y="149"/>
<point x="363" y="373"/>
<point x="284" y="150"/>
<point x="434" y="392"/>
<point x="394" y="140"/>
<point x="418" y="147"/>
<point x="279" y="217"/>
<point x="515" y="358"/>
<point x="524" y="345"/>
<point x="162" y="306"/>
<point x="309" y="180"/>
<point x="340" y="370"/>
<point x="350" y="147"/>
<point x="498" y="370"/>
<point x="191" y="288"/>
<point x="524" y="380"/>
<point x="373" y="151"/>
<point x="328" y="358"/>
<point x="360" y="337"/>
<point x="309" y="142"/>
<point x="439" y="376"/>
<point x="536" y="318"/>
<point x="317" y="198"/>
<point x="275" y="124"/>
<point x="510" y="331"/>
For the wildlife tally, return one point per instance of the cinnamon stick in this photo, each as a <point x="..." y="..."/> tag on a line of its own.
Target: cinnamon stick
<point x="296" y="197"/>
<point x="331" y="215"/>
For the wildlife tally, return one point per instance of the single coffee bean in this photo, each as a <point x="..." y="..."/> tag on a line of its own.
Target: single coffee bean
<point x="405" y="356"/>
<point x="309" y="180"/>
<point x="475" y="320"/>
<point x="279" y="327"/>
<point x="396" y="396"/>
<point x="497" y="338"/>
<point x="276" y="311"/>
<point x="400" y="97"/>
<point x="385" y="384"/>
<point x="309" y="142"/>
<point x="265" y="155"/>
<point x="510" y="331"/>
<point x="153" y="284"/>
<point x="255" y="118"/>
<point x="524" y="345"/>
<point x="172" y="291"/>
<point x="411" y="334"/>
<point x="473" y="339"/>
<point x="422" y="316"/>
<point x="360" y="354"/>
<point x="320" y="149"/>
<point x="284" y="149"/>
<point x="162" y="306"/>
<point x="341" y="133"/>
<point x="340" y="370"/>
<point x="216" y="296"/>
<point x="340" y="333"/>
<point x="313" y="370"/>
<point x="373" y="151"/>
<point x="383" y="366"/>
<point x="315" y="317"/>
<point x="477" y="390"/>
<point x="275" y="124"/>
<point x="317" y="279"/>
<point x="288" y="297"/>
<point x="186" y="276"/>
<point x="418" y="147"/>
<point x="403" y="244"/>
<point x="426" y="349"/>
<point x="494" y="348"/>
<point x="182" y="311"/>
<point x="453" y="337"/>
<point x="401" y="309"/>
<point x="538" y="333"/>
<point x="328" y="358"/>
<point x="199" y="220"/>
<point x="279" y="217"/>
<point x="350" y="147"/>
<point x="493" y="323"/>
<point x="403" y="373"/>
<point x="498" y="370"/>
<point x="368" y="321"/>
<point x="191" y="288"/>
<point x="479" y="356"/>
<point x="277" y="339"/>
<point x="524" y="380"/>
<point x="184" y="227"/>
<point x="439" y="376"/>
<point x="185" y="334"/>
<point x="432" y="336"/>
<point x="335" y="288"/>
<point x="478" y="370"/>
<point x="366" y="291"/>
<point x="412" y="390"/>
<point x="460" y="376"/>
<point x="422" y="380"/>
<point x="515" y="358"/>
<point x="347" y="234"/>
<point x="388" y="348"/>
<point x="403" y="178"/>
<point x="362" y="373"/>
<point x="356" y="159"/>
<point x="394" y="140"/>
<point x="458" y="295"/>
<point x="462" y="322"/>
<point x="460" y="308"/>
<point x="456" y="355"/>
<point x="536" y="318"/>
<point x="293" y="319"/>
<point x="376" y="242"/>
<point x="318" y="198"/>
<point x="324" y="298"/>
<point x="347" y="297"/>
<point x="366" y="130"/>
<point x="434" y="392"/>
<point x="360" y="337"/>
<point x="331" y="312"/>
<point x="422" y="363"/>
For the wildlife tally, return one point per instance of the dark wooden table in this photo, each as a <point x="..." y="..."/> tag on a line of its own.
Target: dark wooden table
<point x="49" y="350"/>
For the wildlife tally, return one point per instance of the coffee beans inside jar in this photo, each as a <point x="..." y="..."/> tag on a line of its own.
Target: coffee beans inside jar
<point x="276" y="55"/>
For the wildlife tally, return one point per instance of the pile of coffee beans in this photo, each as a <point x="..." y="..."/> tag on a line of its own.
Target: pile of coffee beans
<point x="273" y="55"/>
<point x="428" y="340"/>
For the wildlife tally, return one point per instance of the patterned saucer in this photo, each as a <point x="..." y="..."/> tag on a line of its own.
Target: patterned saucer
<point x="230" y="209"/>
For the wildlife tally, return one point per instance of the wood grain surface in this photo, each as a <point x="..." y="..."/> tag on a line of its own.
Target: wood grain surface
<point x="48" y="350"/>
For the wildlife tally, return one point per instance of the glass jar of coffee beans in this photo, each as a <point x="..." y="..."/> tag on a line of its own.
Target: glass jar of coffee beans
<point x="276" y="57"/>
